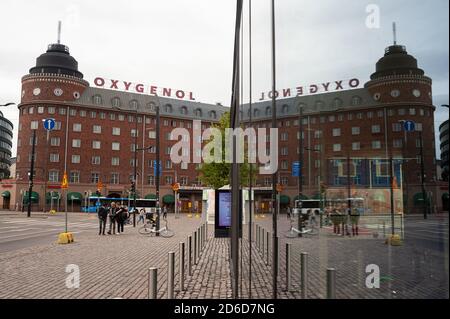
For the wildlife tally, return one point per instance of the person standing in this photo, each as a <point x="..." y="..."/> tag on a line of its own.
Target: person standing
<point x="112" y="218"/>
<point x="141" y="216"/>
<point x="122" y="216"/>
<point x="164" y="210"/>
<point x="102" y="218"/>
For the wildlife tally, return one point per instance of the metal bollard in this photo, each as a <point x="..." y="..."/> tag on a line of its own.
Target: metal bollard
<point x="206" y="230"/>
<point x="189" y="251"/>
<point x="304" y="274"/>
<point x="288" y="267"/>
<point x="181" y="265"/>
<point x="267" y="248"/>
<point x="262" y="242"/>
<point x="152" y="283"/>
<point x="257" y="236"/>
<point x="171" y="275"/>
<point x="195" y="248"/>
<point x="331" y="283"/>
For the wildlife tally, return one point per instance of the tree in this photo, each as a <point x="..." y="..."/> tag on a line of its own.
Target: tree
<point x="217" y="175"/>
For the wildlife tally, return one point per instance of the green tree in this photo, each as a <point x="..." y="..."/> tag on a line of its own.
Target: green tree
<point x="217" y="175"/>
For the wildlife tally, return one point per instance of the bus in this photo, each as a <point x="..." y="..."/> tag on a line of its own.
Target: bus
<point x="318" y="205"/>
<point x="92" y="203"/>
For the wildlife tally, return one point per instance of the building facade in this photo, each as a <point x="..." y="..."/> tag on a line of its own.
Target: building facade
<point x="6" y="136"/>
<point x="443" y="137"/>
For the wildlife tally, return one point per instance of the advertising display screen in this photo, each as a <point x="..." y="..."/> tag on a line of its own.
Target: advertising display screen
<point x="225" y="209"/>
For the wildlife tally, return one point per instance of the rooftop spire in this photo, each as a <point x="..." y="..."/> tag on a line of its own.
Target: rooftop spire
<point x="59" y="32"/>
<point x="394" y="31"/>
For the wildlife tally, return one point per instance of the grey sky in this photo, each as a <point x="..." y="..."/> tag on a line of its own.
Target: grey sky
<point x="188" y="44"/>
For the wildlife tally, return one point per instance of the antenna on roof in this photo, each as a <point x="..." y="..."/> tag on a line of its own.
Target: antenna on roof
<point x="59" y="32"/>
<point x="394" y="31"/>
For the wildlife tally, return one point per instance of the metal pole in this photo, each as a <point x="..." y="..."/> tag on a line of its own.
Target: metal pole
<point x="331" y="283"/>
<point x="250" y="220"/>
<point x="422" y="179"/>
<point x="171" y="275"/>
<point x="300" y="159"/>
<point x="158" y="168"/>
<point x="391" y="169"/>
<point x="45" y="173"/>
<point x="152" y="283"/>
<point x="135" y="168"/>
<point x="288" y="267"/>
<point x="257" y="236"/>
<point x="189" y="255"/>
<point x="263" y="239"/>
<point x="267" y="247"/>
<point x="31" y="177"/>
<point x="304" y="274"/>
<point x="274" y="175"/>
<point x="195" y="247"/>
<point x="181" y="265"/>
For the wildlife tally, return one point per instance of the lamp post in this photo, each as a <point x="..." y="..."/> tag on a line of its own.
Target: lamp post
<point x="422" y="178"/>
<point x="300" y="160"/>
<point x="133" y="185"/>
<point x="158" y="168"/>
<point x="31" y="173"/>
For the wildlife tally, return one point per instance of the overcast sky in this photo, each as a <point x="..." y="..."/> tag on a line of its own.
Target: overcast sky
<point x="189" y="44"/>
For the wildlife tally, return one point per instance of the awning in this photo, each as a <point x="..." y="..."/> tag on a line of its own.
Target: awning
<point x="34" y="197"/>
<point x="53" y="195"/>
<point x="284" y="199"/>
<point x="419" y="199"/>
<point x="7" y="194"/>
<point x="302" y="197"/>
<point x="74" y="196"/>
<point x="168" y="199"/>
<point x="150" y="196"/>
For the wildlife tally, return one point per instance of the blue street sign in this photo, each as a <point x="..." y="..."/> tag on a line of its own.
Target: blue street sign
<point x="155" y="167"/>
<point x="296" y="169"/>
<point x="49" y="124"/>
<point x="409" y="126"/>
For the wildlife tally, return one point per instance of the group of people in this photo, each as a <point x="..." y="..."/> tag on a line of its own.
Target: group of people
<point x="342" y="218"/>
<point x="117" y="216"/>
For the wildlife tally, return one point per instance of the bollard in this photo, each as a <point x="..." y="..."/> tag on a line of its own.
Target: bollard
<point x="152" y="282"/>
<point x="181" y="265"/>
<point x="195" y="247"/>
<point x="189" y="255"/>
<point x="262" y="242"/>
<point x="267" y="248"/>
<point x="206" y="231"/>
<point x="384" y="229"/>
<point x="170" y="275"/>
<point x="288" y="267"/>
<point x="304" y="274"/>
<point x="331" y="283"/>
<point x="257" y="236"/>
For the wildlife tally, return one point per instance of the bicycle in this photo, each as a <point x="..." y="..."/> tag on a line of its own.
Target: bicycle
<point x="149" y="229"/>
<point x="311" y="230"/>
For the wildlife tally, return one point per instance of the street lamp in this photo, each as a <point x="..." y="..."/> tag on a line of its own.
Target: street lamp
<point x="8" y="104"/>
<point x="31" y="173"/>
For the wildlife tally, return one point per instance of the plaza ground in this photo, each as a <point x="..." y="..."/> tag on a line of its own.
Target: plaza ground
<point x="32" y="265"/>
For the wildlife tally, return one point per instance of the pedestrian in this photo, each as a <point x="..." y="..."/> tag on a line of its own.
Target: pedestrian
<point x="122" y="216"/>
<point x="102" y="218"/>
<point x="354" y="217"/>
<point x="288" y="212"/>
<point x="112" y="218"/>
<point x="141" y="216"/>
<point x="164" y="212"/>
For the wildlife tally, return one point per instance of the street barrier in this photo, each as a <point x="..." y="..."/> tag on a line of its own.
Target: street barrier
<point x="288" y="267"/>
<point x="181" y="266"/>
<point x="304" y="274"/>
<point x="170" y="275"/>
<point x="195" y="248"/>
<point x="331" y="283"/>
<point x="152" y="283"/>
<point x="189" y="242"/>
<point x="267" y="248"/>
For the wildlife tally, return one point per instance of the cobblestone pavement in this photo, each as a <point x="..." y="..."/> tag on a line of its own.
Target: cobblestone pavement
<point x="117" y="266"/>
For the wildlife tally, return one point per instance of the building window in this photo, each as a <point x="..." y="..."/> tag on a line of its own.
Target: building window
<point x="317" y="163"/>
<point x="169" y="180"/>
<point x="356" y="100"/>
<point x="40" y="109"/>
<point x="114" y="178"/>
<point x="74" y="177"/>
<point x="356" y="146"/>
<point x="73" y="112"/>
<point x="284" y="136"/>
<point x="331" y="118"/>
<point x="97" y="129"/>
<point x="53" y="176"/>
<point x="115" y="102"/>
<point x="116" y="131"/>
<point x="398" y="143"/>
<point x="369" y="115"/>
<point x="396" y="127"/>
<point x="112" y="116"/>
<point x="401" y="112"/>
<point x="380" y="113"/>
<point x="336" y="147"/>
<point x="55" y="141"/>
<point x="34" y="125"/>
<point x="35" y="141"/>
<point x="76" y="143"/>
<point x="168" y="164"/>
<point x="359" y="116"/>
<point x="93" y="114"/>
<point x="115" y="146"/>
<point x="121" y="117"/>
<point x="75" y="159"/>
<point x="412" y="111"/>
<point x="418" y="143"/>
<point x="150" y="180"/>
<point x="284" y="180"/>
<point x="115" y="161"/>
<point x="132" y="162"/>
<point x="356" y="130"/>
<point x="318" y="134"/>
<point x="31" y="110"/>
<point x="102" y="115"/>
<point x="376" y="128"/>
<point x="134" y="133"/>
<point x="133" y="148"/>
<point x="51" y="110"/>
<point x="95" y="177"/>
<point x="54" y="158"/>
<point x="95" y="160"/>
<point x="184" y="165"/>
<point x="419" y="127"/>
<point x="97" y="99"/>
<point x="96" y="145"/>
<point x="82" y="113"/>
<point x="349" y="116"/>
<point x="152" y="134"/>
<point x="76" y="127"/>
<point x="376" y="145"/>
<point x="336" y="132"/>
<point x="284" y="151"/>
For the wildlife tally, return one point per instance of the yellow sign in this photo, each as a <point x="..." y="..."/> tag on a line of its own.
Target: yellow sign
<point x="279" y="188"/>
<point x="176" y="187"/>
<point x="99" y="185"/>
<point x="65" y="182"/>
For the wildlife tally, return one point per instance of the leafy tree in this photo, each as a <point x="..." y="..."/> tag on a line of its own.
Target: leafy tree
<point x="217" y="175"/>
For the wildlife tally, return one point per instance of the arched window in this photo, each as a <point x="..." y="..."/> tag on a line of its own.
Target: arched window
<point x="256" y="113"/>
<point x="134" y="105"/>
<point x="97" y="99"/>
<point x="301" y="106"/>
<point x="213" y="114"/>
<point x="183" y="110"/>
<point x="168" y="108"/>
<point x="356" y="100"/>
<point x="115" y="102"/>
<point x="151" y="106"/>
<point x="319" y="105"/>
<point x="198" y="112"/>
<point x="285" y="109"/>
<point x="337" y="102"/>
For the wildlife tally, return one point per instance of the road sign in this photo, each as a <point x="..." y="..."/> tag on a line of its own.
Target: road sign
<point x="409" y="126"/>
<point x="296" y="168"/>
<point x="99" y="185"/>
<point x="49" y="124"/>
<point x="279" y="188"/>
<point x="176" y="187"/>
<point x="155" y="167"/>
<point x="65" y="182"/>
